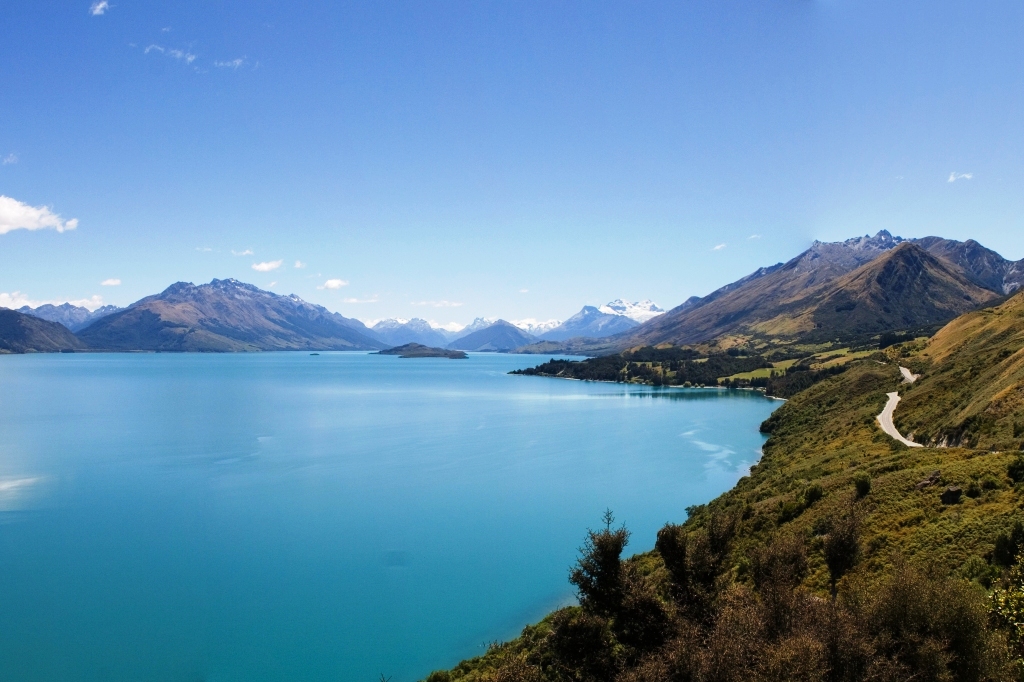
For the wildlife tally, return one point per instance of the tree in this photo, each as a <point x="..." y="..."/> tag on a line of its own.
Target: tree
<point x="841" y="548"/>
<point x="598" y="572"/>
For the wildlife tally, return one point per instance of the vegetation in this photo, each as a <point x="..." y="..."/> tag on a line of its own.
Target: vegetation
<point x="842" y="556"/>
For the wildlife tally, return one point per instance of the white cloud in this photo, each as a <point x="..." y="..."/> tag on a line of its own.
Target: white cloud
<point x="204" y="249"/>
<point x="359" y="300"/>
<point x="174" y="53"/>
<point x="230" y="64"/>
<point x="719" y="247"/>
<point x="15" y="215"/>
<point x="247" y="252"/>
<point x="437" y="304"/>
<point x="165" y="29"/>
<point x="524" y="291"/>
<point x="10" y="159"/>
<point x="113" y="282"/>
<point x="299" y="264"/>
<point x="267" y="266"/>
<point x="99" y="8"/>
<point x="953" y="177"/>
<point x="333" y="284"/>
<point x="448" y="327"/>
<point x="271" y="285"/>
<point x="16" y="299"/>
<point x="753" y="236"/>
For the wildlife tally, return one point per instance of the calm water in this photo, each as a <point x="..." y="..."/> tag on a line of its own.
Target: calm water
<point x="280" y="516"/>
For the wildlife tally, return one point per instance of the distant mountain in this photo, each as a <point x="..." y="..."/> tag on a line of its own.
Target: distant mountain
<point x="71" y="316"/>
<point x="638" y="312"/>
<point x="863" y="285"/>
<point x="226" y="315"/>
<point x="395" y="332"/>
<point x="500" y="336"/>
<point x="21" y="333"/>
<point x="475" y="326"/>
<point x="535" y="327"/>
<point x="591" y="322"/>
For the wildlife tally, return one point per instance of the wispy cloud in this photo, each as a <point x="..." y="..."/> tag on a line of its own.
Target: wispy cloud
<point x="99" y="8"/>
<point x="449" y="326"/>
<point x="267" y="266"/>
<point x="437" y="304"/>
<point x="247" y="252"/>
<point x="10" y="159"/>
<point x="719" y="247"/>
<point x="299" y="264"/>
<point x="953" y="177"/>
<point x="230" y="63"/>
<point x="333" y="284"/>
<point x="16" y="299"/>
<point x="272" y="285"/>
<point x="204" y="249"/>
<point x="174" y="53"/>
<point x="359" y="300"/>
<point x="165" y="29"/>
<point x="753" y="236"/>
<point x="113" y="282"/>
<point x="524" y="291"/>
<point x="15" y="215"/>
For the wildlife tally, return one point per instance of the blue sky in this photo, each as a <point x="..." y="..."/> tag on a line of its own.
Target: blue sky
<point x="449" y="160"/>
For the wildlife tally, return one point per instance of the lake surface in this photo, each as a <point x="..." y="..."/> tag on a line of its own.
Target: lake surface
<point x="282" y="516"/>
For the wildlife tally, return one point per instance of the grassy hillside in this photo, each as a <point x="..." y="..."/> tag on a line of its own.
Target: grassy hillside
<point x="842" y="556"/>
<point x="972" y="391"/>
<point x="20" y="333"/>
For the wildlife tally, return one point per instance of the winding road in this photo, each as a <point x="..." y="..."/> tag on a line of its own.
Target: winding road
<point x="885" y="417"/>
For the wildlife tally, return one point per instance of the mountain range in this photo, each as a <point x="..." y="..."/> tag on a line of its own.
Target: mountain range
<point x="861" y="286"/>
<point x="834" y="290"/>
<point x="71" y="316"/>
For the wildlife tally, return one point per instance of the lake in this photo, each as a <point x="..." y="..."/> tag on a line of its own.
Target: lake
<point x="282" y="516"/>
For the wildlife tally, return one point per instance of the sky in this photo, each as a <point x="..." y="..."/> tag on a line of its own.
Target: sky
<point x="453" y="160"/>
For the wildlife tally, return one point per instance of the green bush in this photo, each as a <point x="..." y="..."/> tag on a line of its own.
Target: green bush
<point x="1016" y="469"/>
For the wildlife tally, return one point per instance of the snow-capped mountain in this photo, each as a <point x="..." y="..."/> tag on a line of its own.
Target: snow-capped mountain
<point x="536" y="327"/>
<point x="638" y="312"/>
<point x="397" y="332"/>
<point x="590" y="322"/>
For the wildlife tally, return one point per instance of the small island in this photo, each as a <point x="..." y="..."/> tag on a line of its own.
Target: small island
<point x="418" y="350"/>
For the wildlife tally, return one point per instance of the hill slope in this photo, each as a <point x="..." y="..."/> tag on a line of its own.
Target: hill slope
<point x="20" y="333"/>
<point x="226" y="315"/>
<point x="972" y="387"/>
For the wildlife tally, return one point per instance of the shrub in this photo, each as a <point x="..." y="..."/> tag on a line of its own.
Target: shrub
<point x="1008" y="545"/>
<point x="1016" y="469"/>
<point x="863" y="484"/>
<point x="812" y="494"/>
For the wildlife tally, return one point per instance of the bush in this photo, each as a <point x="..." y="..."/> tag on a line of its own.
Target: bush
<point x="1008" y="545"/>
<point x="863" y="484"/>
<point x="1016" y="469"/>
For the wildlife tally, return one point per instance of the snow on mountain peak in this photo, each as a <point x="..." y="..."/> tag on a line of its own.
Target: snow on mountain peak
<point x="536" y="327"/>
<point x="640" y="311"/>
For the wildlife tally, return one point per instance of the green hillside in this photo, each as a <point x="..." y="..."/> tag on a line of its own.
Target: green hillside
<point x="842" y="556"/>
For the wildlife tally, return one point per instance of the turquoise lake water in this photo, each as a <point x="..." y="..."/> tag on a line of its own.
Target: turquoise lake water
<point x="282" y="516"/>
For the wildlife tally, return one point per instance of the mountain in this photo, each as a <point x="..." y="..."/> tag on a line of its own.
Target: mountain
<point x="591" y="322"/>
<point x="794" y="298"/>
<point x="71" y="316"/>
<point x="226" y="315"/>
<point x="395" y="332"/>
<point x="535" y="327"/>
<point x="500" y="336"/>
<point x="984" y="267"/>
<point x="639" y="312"/>
<point x="21" y="333"/>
